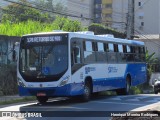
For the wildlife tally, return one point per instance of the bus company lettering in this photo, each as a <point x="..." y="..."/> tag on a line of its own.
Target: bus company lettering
<point x="112" y="69"/>
<point x="89" y="69"/>
<point x="44" y="39"/>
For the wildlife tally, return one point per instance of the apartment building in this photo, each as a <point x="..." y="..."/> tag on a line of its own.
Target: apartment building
<point x="103" y="12"/>
<point x="114" y="13"/>
<point x="81" y="8"/>
<point x="147" y="24"/>
<point x="147" y="17"/>
<point x="111" y="13"/>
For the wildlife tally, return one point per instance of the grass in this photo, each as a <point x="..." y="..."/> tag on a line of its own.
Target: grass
<point x="139" y="89"/>
<point x="25" y="99"/>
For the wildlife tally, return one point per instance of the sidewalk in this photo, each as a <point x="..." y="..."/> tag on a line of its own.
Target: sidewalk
<point x="10" y="98"/>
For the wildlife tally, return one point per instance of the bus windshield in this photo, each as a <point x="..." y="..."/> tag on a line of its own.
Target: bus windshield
<point x="43" y="60"/>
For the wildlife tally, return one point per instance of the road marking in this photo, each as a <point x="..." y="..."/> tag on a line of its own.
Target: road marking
<point x="115" y="98"/>
<point x="133" y="100"/>
<point x="117" y="103"/>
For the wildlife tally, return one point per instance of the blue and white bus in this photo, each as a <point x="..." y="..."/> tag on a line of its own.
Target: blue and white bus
<point x="78" y="64"/>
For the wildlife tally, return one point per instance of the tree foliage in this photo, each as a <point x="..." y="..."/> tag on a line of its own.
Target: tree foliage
<point x="100" y="29"/>
<point x="46" y="5"/>
<point x="28" y="27"/>
<point x="19" y="13"/>
<point x="66" y="24"/>
<point x="52" y="6"/>
<point x="150" y="60"/>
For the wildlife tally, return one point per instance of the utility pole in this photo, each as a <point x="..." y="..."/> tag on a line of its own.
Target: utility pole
<point x="130" y="19"/>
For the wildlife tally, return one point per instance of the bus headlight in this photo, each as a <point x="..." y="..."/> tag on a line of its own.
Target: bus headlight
<point x="20" y="82"/>
<point x="64" y="81"/>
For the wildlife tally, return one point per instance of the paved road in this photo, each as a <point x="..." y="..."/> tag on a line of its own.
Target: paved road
<point x="96" y="109"/>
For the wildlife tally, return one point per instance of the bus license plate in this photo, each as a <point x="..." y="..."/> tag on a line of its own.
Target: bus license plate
<point x="41" y="94"/>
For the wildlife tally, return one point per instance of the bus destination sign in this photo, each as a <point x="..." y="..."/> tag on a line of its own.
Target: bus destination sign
<point x="44" y="39"/>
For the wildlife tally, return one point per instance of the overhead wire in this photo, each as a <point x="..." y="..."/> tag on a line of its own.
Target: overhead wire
<point x="49" y="11"/>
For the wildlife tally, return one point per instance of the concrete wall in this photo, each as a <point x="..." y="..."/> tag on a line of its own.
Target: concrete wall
<point x="8" y="77"/>
<point x="6" y="48"/>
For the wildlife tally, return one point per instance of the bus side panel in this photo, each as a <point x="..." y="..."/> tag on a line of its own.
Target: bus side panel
<point x="108" y="84"/>
<point x="104" y="77"/>
<point x="108" y="76"/>
<point x="137" y="72"/>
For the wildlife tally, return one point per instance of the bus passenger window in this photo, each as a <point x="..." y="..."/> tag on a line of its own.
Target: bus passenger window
<point x="89" y="53"/>
<point x="111" y="47"/>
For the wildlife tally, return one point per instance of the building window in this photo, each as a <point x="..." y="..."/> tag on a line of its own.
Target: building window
<point x="108" y="6"/>
<point x="108" y="15"/>
<point x="98" y="15"/>
<point x="98" y="6"/>
<point x="142" y="23"/>
<point x="139" y="4"/>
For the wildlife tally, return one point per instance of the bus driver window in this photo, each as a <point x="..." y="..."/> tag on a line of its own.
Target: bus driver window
<point x="76" y="55"/>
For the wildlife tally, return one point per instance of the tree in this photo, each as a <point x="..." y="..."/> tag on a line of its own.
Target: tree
<point x="0" y="13"/>
<point x="45" y="4"/>
<point x="150" y="60"/>
<point x="59" y="7"/>
<point x="21" y="12"/>
<point x="52" y="6"/>
<point x="66" y="24"/>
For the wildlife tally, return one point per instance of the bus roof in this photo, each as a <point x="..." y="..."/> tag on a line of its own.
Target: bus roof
<point x="90" y="35"/>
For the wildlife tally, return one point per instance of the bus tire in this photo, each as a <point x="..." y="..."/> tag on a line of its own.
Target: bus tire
<point x="42" y="99"/>
<point x="128" y="86"/>
<point x="126" y="90"/>
<point x="156" y="92"/>
<point x="87" y="92"/>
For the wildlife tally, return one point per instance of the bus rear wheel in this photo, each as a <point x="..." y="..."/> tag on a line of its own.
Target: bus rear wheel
<point x="126" y="90"/>
<point x="42" y="99"/>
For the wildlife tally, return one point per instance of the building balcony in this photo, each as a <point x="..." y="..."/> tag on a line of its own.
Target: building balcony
<point x="106" y="11"/>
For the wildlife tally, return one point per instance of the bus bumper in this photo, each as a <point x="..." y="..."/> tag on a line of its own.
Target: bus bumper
<point x="66" y="90"/>
<point x="51" y="91"/>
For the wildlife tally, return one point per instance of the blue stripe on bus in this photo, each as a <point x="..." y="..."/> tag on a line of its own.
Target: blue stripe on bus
<point x="102" y="84"/>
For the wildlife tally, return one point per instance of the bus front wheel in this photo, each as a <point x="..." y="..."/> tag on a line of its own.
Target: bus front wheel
<point x="87" y="92"/>
<point x="42" y="99"/>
